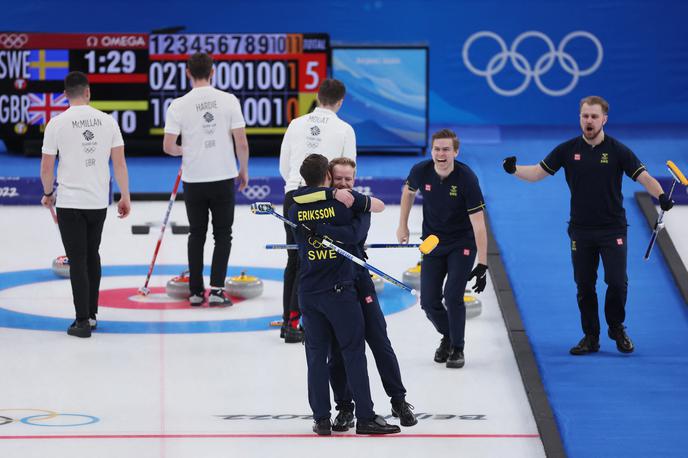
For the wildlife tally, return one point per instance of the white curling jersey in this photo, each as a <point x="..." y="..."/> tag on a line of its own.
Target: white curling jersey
<point x="319" y="132"/>
<point x="205" y="117"/>
<point x="83" y="136"/>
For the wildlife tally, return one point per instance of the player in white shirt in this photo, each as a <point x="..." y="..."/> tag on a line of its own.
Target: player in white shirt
<point x="318" y="132"/>
<point x="85" y="139"/>
<point x="208" y="120"/>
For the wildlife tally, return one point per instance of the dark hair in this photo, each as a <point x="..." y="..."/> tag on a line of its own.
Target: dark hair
<point x="595" y="100"/>
<point x="200" y="64"/>
<point x="446" y="133"/>
<point x="314" y="169"/>
<point x="75" y="83"/>
<point x="331" y="91"/>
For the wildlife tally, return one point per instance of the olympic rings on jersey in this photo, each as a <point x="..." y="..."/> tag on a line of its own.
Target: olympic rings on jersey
<point x="256" y="192"/>
<point x="45" y="415"/>
<point x="315" y="243"/>
<point x="13" y="40"/>
<point x="543" y="64"/>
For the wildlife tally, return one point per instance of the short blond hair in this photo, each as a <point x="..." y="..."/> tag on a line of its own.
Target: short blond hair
<point x="595" y="100"/>
<point x="342" y="161"/>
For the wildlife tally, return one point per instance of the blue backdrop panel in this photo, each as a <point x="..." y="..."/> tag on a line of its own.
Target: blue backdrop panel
<point x="386" y="96"/>
<point x="642" y="69"/>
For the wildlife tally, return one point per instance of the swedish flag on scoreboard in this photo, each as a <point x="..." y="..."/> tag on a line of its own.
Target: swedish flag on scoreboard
<point x="48" y="64"/>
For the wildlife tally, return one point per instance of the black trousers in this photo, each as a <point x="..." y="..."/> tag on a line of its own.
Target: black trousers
<point x="290" y="300"/>
<point x="587" y="247"/>
<point x="200" y="198"/>
<point x="442" y="301"/>
<point x="81" y="231"/>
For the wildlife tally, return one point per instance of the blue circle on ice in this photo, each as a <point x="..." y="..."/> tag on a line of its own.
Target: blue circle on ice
<point x="392" y="300"/>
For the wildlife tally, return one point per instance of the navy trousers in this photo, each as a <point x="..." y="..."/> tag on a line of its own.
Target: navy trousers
<point x="587" y="247"/>
<point x="454" y="263"/>
<point x="380" y="346"/>
<point x="328" y="315"/>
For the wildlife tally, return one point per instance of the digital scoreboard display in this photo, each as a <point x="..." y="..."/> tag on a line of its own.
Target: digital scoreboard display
<point x="135" y="77"/>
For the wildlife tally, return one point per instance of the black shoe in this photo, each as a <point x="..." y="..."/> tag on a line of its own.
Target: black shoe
<point x="322" y="427"/>
<point x="377" y="425"/>
<point x="442" y="352"/>
<point x="80" y="329"/>
<point x="402" y="410"/>
<point x="283" y="329"/>
<point x="293" y="335"/>
<point x="588" y="344"/>
<point x="456" y="359"/>
<point x="218" y="298"/>
<point x="623" y="342"/>
<point x="344" y="419"/>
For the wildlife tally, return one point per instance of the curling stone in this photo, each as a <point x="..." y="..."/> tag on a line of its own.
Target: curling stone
<point x="61" y="266"/>
<point x="178" y="287"/>
<point x="412" y="277"/>
<point x="474" y="306"/>
<point x="378" y="282"/>
<point x="246" y="286"/>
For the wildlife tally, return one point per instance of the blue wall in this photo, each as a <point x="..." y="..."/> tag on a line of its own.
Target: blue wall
<point x="643" y="72"/>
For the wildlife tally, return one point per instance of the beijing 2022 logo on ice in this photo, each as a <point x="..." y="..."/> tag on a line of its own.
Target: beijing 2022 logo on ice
<point x="543" y="64"/>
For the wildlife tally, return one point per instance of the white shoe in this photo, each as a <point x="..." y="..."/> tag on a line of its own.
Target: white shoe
<point x="196" y="299"/>
<point x="217" y="298"/>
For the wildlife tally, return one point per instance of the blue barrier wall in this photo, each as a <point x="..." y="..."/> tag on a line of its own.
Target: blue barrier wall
<point x="546" y="54"/>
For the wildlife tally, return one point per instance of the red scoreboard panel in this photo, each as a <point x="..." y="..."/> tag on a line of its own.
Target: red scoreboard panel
<point x="136" y="76"/>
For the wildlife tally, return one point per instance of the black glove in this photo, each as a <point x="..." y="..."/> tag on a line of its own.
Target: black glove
<point x="665" y="203"/>
<point x="509" y="165"/>
<point x="309" y="229"/>
<point x="480" y="274"/>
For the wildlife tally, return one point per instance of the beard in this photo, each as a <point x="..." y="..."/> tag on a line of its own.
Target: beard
<point x="592" y="133"/>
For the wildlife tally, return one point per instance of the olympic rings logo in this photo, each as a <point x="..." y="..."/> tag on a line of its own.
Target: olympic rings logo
<point x="13" y="40"/>
<point x="315" y="243"/>
<point x="256" y="192"/>
<point x="544" y="63"/>
<point x="47" y="418"/>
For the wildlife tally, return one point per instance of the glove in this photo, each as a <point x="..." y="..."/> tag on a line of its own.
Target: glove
<point x="480" y="274"/>
<point x="509" y="165"/>
<point x="665" y="203"/>
<point x="309" y="229"/>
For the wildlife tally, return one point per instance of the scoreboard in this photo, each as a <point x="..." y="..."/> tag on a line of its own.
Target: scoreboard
<point x="135" y="77"/>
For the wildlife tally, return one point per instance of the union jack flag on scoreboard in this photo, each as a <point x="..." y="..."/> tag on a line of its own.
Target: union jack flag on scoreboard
<point x="44" y="106"/>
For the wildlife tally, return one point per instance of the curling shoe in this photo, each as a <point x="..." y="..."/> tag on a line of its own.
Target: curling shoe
<point x="588" y="344"/>
<point x="623" y="343"/>
<point x="196" y="300"/>
<point x="402" y="410"/>
<point x="456" y="359"/>
<point x="377" y="425"/>
<point x="80" y="329"/>
<point x="218" y="298"/>
<point x="322" y="427"/>
<point x="442" y="352"/>
<point x="344" y="419"/>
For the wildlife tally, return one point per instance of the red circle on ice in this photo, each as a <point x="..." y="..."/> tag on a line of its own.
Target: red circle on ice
<point x="129" y="298"/>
